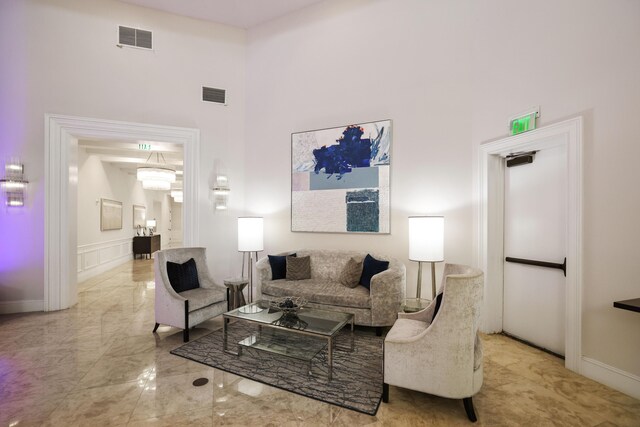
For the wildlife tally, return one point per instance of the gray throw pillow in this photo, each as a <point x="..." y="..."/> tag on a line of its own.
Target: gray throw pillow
<point x="350" y="275"/>
<point x="298" y="268"/>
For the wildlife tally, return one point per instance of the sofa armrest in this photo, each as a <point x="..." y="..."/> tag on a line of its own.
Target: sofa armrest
<point x="424" y="315"/>
<point x="169" y="305"/>
<point x="387" y="293"/>
<point x="263" y="270"/>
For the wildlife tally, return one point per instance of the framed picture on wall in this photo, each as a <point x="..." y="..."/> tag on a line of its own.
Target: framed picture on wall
<point x="110" y="215"/>
<point x="139" y="216"/>
<point x="340" y="179"/>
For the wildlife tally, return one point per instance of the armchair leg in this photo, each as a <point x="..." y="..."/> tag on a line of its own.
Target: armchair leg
<point x="468" y="407"/>
<point x="385" y="392"/>
<point x="155" y="328"/>
<point x="185" y="333"/>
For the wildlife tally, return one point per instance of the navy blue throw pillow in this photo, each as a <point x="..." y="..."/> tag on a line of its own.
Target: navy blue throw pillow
<point x="371" y="267"/>
<point x="278" y="266"/>
<point x="183" y="277"/>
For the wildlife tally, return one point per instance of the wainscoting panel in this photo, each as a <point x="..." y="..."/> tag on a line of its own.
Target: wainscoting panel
<point x="96" y="258"/>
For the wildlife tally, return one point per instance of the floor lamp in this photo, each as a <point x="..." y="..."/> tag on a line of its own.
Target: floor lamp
<point x="250" y="241"/>
<point x="426" y="244"/>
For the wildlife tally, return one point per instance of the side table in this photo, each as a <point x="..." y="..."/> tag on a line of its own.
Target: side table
<point x="235" y="286"/>
<point x="411" y="305"/>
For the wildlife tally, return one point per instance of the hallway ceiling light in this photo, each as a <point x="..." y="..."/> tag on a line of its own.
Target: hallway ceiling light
<point x="156" y="177"/>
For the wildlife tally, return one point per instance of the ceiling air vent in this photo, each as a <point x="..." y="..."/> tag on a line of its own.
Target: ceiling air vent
<point x="128" y="36"/>
<point x="210" y="94"/>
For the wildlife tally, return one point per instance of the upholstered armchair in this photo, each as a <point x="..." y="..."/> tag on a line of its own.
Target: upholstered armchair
<point x="440" y="355"/>
<point x="190" y="307"/>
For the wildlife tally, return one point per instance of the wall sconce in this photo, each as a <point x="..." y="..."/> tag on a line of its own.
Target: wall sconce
<point x="221" y="192"/>
<point x="13" y="184"/>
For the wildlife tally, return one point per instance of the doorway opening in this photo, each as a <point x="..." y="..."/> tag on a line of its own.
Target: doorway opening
<point x="61" y="173"/>
<point x="489" y="251"/>
<point x="107" y="177"/>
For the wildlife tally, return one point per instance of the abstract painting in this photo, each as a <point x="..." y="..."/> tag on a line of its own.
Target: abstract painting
<point x="340" y="179"/>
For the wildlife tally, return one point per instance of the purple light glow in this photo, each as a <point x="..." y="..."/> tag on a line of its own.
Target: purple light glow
<point x="21" y="136"/>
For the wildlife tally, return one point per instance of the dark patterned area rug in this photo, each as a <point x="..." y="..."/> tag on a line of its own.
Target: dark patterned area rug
<point x="357" y="375"/>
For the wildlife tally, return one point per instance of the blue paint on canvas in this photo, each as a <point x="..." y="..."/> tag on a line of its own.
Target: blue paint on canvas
<point x="380" y="149"/>
<point x="357" y="178"/>
<point x="352" y="151"/>
<point x="363" y="211"/>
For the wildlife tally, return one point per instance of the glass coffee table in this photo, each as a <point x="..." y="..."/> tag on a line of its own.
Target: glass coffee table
<point x="287" y="329"/>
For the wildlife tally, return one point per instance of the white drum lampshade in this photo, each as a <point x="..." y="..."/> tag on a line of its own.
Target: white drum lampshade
<point x="250" y="234"/>
<point x="426" y="238"/>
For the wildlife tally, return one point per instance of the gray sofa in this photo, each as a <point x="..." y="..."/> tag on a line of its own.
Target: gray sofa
<point x="378" y="307"/>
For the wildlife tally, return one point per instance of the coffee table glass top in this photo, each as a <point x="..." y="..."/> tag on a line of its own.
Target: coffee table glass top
<point x="311" y="320"/>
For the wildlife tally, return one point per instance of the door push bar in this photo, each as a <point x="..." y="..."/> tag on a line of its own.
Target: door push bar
<point x="562" y="266"/>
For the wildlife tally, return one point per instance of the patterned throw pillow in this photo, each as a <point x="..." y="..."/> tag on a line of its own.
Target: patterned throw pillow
<point x="350" y="275"/>
<point x="298" y="268"/>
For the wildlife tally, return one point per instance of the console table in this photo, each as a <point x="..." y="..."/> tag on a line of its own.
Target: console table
<point x="629" y="304"/>
<point x="145" y="245"/>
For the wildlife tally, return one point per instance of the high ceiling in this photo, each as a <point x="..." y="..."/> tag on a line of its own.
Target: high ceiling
<point x="239" y="13"/>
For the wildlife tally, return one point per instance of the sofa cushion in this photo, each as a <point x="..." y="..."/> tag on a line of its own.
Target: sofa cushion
<point x="278" y="266"/>
<point x="371" y="267"/>
<point x="202" y="297"/>
<point x="183" y="277"/>
<point x="319" y="292"/>
<point x="350" y="275"/>
<point x="298" y="268"/>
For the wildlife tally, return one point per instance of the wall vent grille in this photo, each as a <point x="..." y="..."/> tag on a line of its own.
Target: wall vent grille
<point x="210" y="94"/>
<point x="128" y="36"/>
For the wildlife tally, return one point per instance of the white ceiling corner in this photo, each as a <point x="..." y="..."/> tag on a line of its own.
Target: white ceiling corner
<point x="237" y="13"/>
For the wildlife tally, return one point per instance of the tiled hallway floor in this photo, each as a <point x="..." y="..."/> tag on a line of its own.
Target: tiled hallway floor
<point x="99" y="364"/>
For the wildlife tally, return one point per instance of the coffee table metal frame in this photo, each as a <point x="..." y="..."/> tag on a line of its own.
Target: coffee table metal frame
<point x="347" y="318"/>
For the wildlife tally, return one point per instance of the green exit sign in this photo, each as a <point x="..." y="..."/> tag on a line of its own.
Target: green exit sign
<point x="523" y="122"/>
<point x="146" y="147"/>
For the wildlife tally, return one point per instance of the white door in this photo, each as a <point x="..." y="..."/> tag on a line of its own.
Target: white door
<point x="176" y="225"/>
<point x="535" y="229"/>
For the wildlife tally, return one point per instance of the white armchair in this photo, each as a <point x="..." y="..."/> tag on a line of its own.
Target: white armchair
<point x="442" y="355"/>
<point x="188" y="308"/>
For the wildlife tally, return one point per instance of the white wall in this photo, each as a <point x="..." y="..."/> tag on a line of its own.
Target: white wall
<point x="100" y="250"/>
<point x="60" y="56"/>
<point x="581" y="58"/>
<point x="450" y="74"/>
<point x="344" y="62"/>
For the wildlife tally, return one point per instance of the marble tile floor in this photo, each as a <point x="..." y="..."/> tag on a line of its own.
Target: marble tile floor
<point x="99" y="364"/>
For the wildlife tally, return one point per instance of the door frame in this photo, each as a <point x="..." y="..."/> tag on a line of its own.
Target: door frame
<point x="61" y="135"/>
<point x="489" y="222"/>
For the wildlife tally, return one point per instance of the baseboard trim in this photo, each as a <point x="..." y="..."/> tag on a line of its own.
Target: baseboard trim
<point x="24" y="306"/>
<point x="101" y="268"/>
<point x="618" y="379"/>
